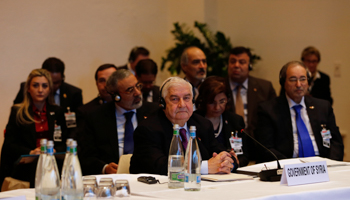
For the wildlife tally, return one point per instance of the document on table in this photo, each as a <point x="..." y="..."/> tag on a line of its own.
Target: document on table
<point x="255" y="169"/>
<point x="14" y="198"/>
<point x="226" y="177"/>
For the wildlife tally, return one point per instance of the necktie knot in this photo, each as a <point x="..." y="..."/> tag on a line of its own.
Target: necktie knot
<point x="297" y="108"/>
<point x="128" y="115"/>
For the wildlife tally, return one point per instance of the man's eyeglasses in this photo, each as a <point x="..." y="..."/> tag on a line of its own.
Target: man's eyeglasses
<point x="131" y="89"/>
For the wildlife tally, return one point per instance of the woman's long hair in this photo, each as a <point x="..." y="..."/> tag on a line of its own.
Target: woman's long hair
<point x="23" y="116"/>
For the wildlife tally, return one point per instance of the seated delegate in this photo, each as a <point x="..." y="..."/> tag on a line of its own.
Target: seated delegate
<point x="30" y="121"/>
<point x="152" y="136"/>
<point x="212" y="104"/>
<point x="295" y="124"/>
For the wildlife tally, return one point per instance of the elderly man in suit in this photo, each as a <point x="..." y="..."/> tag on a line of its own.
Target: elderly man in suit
<point x="108" y="130"/>
<point x="297" y="125"/>
<point x="153" y="135"/>
<point x="247" y="91"/>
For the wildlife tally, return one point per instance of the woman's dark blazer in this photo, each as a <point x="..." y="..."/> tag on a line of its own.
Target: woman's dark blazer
<point x="232" y="123"/>
<point x="21" y="139"/>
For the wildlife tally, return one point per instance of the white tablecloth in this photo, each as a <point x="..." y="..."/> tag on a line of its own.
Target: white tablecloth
<point x="337" y="188"/>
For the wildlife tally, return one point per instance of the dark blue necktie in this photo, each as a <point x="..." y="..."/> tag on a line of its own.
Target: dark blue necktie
<point x="306" y="148"/>
<point x="128" y="134"/>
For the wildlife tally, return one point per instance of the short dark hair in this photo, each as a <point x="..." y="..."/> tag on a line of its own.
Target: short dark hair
<point x="208" y="90"/>
<point x="103" y="67"/>
<point x="136" y="51"/>
<point x="311" y="51"/>
<point x="54" y="65"/>
<point x="146" y="66"/>
<point x="240" y="50"/>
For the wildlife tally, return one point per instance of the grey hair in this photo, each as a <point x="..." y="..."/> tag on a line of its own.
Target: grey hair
<point x="112" y="82"/>
<point x="172" y="82"/>
<point x="184" y="55"/>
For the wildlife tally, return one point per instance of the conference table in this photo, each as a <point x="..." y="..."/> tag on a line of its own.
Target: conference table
<point x="337" y="188"/>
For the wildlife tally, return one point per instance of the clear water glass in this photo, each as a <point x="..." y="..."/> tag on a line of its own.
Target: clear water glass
<point x="122" y="188"/>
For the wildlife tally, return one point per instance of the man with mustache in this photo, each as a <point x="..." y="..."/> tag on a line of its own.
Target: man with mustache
<point x="108" y="130"/>
<point x="194" y="65"/>
<point x="247" y="91"/>
<point x="295" y="124"/>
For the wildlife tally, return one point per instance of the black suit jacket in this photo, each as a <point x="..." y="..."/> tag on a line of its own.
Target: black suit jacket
<point x="259" y="90"/>
<point x="82" y="111"/>
<point x="152" y="140"/>
<point x="99" y="140"/>
<point x="232" y="123"/>
<point x="70" y="96"/>
<point x="321" y="88"/>
<point x="275" y="128"/>
<point x="21" y="139"/>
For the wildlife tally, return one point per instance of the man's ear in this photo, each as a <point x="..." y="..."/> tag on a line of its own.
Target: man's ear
<point x="183" y="67"/>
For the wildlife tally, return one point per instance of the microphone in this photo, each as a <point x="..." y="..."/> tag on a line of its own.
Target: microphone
<point x="270" y="174"/>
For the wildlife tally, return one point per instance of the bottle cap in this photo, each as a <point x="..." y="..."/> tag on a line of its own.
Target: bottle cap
<point x="69" y="140"/>
<point x="49" y="143"/>
<point x="43" y="142"/>
<point x="176" y="127"/>
<point x="73" y="144"/>
<point x="193" y="131"/>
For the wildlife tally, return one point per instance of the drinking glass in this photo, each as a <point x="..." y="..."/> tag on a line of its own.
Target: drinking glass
<point x="121" y="188"/>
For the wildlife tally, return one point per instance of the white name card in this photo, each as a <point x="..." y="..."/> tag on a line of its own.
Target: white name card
<point x="305" y="173"/>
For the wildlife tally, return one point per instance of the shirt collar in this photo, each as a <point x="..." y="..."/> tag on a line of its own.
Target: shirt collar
<point x="58" y="91"/>
<point x="234" y="84"/>
<point x="36" y="110"/>
<point x="120" y="111"/>
<point x="291" y="103"/>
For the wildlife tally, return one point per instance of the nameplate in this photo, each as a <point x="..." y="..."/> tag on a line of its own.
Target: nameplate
<point x="305" y="173"/>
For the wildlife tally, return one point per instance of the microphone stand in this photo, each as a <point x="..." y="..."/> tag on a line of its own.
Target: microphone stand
<point x="269" y="174"/>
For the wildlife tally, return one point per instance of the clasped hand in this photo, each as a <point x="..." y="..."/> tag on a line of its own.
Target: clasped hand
<point x="221" y="163"/>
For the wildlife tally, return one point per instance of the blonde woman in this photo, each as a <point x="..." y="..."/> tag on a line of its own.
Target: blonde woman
<point x="37" y="117"/>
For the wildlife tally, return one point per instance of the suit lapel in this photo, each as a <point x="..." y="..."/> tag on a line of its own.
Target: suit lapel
<point x="251" y="98"/>
<point x="51" y="116"/>
<point x="63" y="96"/>
<point x="286" y="120"/>
<point x="316" y="127"/>
<point x="32" y="125"/>
<point x="111" y="129"/>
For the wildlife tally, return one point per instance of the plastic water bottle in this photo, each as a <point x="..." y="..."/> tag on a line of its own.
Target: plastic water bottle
<point x="65" y="165"/>
<point x="39" y="168"/>
<point x="50" y="182"/>
<point x="192" y="163"/>
<point x="176" y="161"/>
<point x="73" y="183"/>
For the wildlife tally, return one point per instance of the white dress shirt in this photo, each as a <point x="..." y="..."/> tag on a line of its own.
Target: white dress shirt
<point x="306" y="120"/>
<point x="120" y="117"/>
